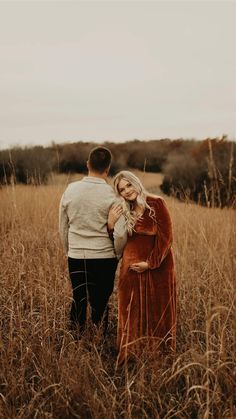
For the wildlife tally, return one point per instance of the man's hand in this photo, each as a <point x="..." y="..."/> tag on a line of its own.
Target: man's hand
<point x="139" y="267"/>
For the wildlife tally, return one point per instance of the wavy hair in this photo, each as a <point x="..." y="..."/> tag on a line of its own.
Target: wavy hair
<point x="128" y="207"/>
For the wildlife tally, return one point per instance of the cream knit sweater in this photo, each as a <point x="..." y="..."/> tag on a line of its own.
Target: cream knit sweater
<point x="83" y="217"/>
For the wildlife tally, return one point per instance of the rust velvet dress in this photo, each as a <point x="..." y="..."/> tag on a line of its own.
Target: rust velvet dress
<point x="147" y="301"/>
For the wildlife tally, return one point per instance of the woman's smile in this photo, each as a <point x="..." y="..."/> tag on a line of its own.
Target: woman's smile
<point x="129" y="195"/>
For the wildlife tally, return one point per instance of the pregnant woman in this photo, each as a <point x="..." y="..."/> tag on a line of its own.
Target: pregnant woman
<point x="147" y="284"/>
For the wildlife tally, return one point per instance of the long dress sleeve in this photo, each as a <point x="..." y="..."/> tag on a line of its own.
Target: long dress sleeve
<point x="120" y="236"/>
<point x="164" y="237"/>
<point x="63" y="224"/>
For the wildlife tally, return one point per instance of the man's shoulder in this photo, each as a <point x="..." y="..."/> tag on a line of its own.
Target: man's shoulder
<point x="74" y="185"/>
<point x="103" y="189"/>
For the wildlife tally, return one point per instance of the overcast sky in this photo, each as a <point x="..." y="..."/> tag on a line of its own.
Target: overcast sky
<point x="72" y="70"/>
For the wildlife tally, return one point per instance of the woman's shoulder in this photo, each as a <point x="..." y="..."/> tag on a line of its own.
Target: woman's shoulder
<point x="155" y="199"/>
<point x="159" y="206"/>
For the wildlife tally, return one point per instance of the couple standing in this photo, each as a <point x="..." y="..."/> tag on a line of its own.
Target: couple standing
<point x="98" y="226"/>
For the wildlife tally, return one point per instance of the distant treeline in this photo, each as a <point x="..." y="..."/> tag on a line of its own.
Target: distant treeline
<point x="203" y="171"/>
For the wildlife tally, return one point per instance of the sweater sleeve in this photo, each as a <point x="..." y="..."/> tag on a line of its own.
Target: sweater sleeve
<point x="164" y="236"/>
<point x="120" y="236"/>
<point x="63" y="224"/>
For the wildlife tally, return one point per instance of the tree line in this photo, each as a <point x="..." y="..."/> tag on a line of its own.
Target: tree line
<point x="202" y="171"/>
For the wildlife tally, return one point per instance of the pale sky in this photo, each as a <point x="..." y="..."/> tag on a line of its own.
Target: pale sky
<point x="116" y="70"/>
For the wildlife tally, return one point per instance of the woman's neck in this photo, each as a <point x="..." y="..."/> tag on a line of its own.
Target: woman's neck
<point x="137" y="208"/>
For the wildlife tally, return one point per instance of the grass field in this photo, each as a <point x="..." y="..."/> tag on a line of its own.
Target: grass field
<point x="44" y="373"/>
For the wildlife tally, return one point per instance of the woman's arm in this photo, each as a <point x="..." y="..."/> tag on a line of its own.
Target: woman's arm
<point x="164" y="237"/>
<point x="120" y="236"/>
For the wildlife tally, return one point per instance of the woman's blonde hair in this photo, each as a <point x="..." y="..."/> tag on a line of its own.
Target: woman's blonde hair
<point x="128" y="207"/>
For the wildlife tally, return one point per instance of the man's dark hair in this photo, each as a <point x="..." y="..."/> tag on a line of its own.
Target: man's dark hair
<point x="99" y="159"/>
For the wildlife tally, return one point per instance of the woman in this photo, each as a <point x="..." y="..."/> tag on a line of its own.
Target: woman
<point x="146" y="287"/>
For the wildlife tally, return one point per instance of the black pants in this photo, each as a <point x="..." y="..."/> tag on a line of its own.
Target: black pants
<point x="92" y="280"/>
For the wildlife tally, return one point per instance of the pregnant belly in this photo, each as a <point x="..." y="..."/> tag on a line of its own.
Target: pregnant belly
<point x="138" y="249"/>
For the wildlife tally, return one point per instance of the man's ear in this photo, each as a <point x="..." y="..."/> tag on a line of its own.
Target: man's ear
<point x="107" y="170"/>
<point x="87" y="164"/>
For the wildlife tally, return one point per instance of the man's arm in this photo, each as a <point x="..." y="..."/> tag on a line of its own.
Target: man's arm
<point x="63" y="224"/>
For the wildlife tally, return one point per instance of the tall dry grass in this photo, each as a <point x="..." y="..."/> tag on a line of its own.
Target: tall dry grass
<point x="44" y="373"/>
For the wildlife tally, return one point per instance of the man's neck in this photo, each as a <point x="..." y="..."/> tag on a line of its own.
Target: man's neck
<point x="98" y="175"/>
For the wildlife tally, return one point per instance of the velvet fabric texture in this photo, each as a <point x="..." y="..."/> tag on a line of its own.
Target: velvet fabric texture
<point x="147" y="301"/>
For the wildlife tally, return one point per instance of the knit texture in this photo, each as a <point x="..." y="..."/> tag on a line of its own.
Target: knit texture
<point x="83" y="217"/>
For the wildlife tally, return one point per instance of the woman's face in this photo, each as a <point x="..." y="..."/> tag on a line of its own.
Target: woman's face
<point x="126" y="190"/>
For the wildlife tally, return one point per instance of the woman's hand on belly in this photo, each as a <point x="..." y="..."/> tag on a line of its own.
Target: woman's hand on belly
<point x="139" y="267"/>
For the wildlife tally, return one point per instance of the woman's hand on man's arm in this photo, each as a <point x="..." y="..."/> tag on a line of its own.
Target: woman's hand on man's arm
<point x="115" y="212"/>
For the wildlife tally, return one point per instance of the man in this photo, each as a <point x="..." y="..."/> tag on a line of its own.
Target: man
<point x="92" y="261"/>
